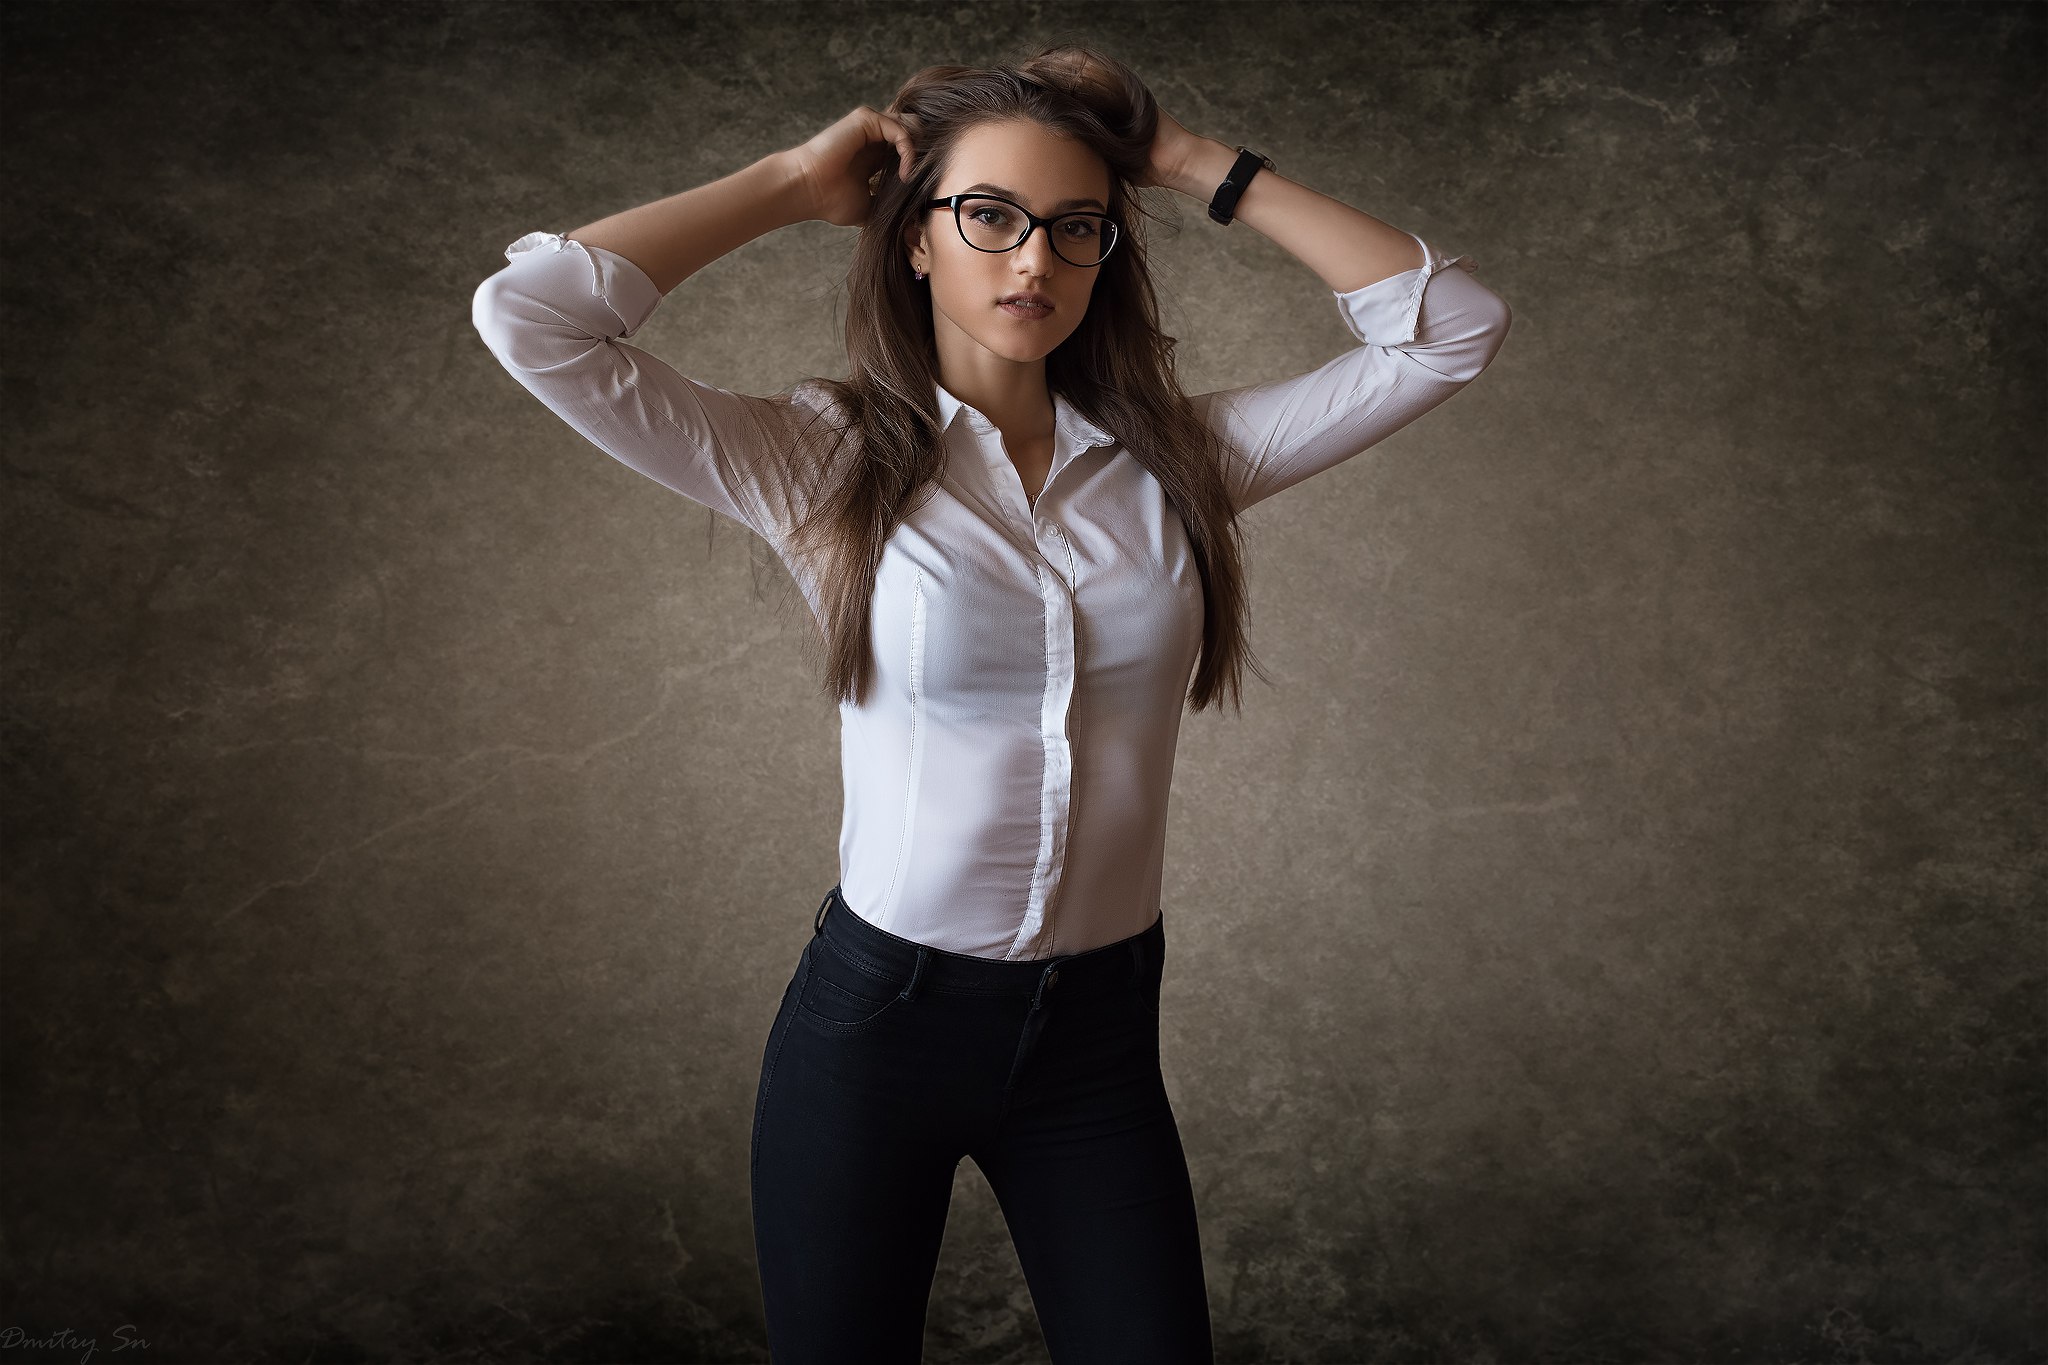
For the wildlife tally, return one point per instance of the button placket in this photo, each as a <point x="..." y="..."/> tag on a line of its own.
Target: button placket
<point x="1063" y="667"/>
<point x="1070" y="575"/>
<point x="1056" y="790"/>
<point x="1055" y="567"/>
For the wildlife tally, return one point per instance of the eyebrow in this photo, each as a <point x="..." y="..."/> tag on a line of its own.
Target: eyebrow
<point x="1012" y="194"/>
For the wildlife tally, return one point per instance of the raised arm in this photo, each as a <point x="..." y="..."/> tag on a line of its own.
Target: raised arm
<point x="1424" y="334"/>
<point x="557" y="314"/>
<point x="672" y="239"/>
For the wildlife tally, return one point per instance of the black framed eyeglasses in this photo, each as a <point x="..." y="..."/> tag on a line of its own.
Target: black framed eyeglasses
<point x="989" y="222"/>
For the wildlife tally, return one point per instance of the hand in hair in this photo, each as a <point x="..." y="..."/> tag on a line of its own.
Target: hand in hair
<point x="837" y="166"/>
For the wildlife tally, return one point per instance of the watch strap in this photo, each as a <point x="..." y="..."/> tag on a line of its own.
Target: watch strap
<point x="1223" y="208"/>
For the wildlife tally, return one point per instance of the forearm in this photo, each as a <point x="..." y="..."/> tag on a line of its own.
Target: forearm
<point x="673" y="238"/>
<point x="1348" y="248"/>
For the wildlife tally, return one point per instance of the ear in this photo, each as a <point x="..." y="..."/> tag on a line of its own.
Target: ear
<point x="914" y="239"/>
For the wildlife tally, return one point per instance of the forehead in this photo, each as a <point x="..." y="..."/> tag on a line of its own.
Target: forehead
<point x="1020" y="160"/>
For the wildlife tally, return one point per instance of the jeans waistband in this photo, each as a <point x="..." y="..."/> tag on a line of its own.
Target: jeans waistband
<point x="922" y="967"/>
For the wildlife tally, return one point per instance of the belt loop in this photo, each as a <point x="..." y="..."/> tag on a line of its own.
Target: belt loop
<point x="818" y="924"/>
<point x="916" y="974"/>
<point x="1045" y="978"/>
<point x="1137" y="960"/>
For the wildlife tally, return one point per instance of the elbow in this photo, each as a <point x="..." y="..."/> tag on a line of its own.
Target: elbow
<point x="1499" y="320"/>
<point x="1475" y="336"/>
<point x="523" y="331"/>
<point x="1459" y="326"/>
<point x="1492" y="335"/>
<point x="487" y="315"/>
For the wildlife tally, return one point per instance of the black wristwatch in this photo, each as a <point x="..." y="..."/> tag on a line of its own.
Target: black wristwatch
<point x="1224" y="206"/>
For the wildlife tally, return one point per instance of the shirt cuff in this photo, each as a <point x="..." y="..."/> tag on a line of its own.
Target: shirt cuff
<point x="621" y="285"/>
<point x="1384" y="312"/>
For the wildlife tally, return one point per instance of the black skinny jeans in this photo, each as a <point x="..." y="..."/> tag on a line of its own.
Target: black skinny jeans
<point x="888" y="1062"/>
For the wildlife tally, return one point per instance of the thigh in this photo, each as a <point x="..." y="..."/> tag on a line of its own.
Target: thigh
<point x="1094" y="1186"/>
<point x="850" y="1187"/>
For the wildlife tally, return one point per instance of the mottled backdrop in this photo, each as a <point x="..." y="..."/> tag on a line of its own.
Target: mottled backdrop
<point x="1616" y="936"/>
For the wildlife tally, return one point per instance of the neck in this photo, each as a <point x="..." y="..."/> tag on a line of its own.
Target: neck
<point x="1026" y="415"/>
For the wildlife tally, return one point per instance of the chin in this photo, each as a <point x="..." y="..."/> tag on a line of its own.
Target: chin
<point x="1009" y="348"/>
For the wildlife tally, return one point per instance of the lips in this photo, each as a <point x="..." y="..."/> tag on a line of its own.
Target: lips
<point x="1026" y="299"/>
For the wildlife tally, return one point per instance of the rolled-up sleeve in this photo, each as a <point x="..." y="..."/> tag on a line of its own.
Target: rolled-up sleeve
<point x="556" y="317"/>
<point x="1423" y="335"/>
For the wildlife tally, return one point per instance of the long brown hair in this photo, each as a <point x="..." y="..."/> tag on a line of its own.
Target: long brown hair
<point x="1116" y="368"/>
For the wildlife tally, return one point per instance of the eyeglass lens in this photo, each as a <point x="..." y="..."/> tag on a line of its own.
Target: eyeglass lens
<point x="996" y="225"/>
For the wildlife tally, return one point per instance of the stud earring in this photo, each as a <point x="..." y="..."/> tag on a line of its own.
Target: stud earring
<point x="915" y="271"/>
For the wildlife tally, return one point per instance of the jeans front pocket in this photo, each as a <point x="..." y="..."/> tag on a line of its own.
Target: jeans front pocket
<point x="843" y="995"/>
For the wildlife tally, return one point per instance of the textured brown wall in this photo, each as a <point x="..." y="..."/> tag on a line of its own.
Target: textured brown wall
<point x="1616" y="937"/>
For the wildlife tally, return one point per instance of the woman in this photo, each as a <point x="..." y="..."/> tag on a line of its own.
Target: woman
<point x="1018" y="538"/>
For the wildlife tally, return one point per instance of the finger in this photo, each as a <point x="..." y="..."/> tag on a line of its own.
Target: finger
<point x="901" y="136"/>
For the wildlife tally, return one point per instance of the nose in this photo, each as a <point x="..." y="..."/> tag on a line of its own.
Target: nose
<point x="1038" y="243"/>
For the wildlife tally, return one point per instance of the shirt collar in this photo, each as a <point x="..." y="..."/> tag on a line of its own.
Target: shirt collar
<point x="1066" y="418"/>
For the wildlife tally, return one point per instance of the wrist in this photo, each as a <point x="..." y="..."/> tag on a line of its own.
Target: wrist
<point x="1204" y="168"/>
<point x="792" y="190"/>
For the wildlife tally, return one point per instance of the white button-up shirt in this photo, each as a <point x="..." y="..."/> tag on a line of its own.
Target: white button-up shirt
<point x="1005" y="784"/>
